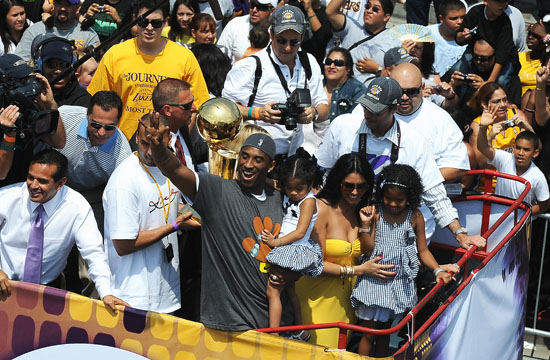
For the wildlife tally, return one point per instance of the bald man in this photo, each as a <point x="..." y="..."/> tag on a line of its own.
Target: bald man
<point x="437" y="126"/>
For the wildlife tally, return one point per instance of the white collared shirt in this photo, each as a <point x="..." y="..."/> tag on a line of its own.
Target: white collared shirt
<point x="240" y="81"/>
<point x="68" y="218"/>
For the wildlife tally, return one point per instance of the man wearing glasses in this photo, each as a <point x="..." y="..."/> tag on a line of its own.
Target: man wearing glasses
<point x="372" y="129"/>
<point x="54" y="56"/>
<point x="235" y="34"/>
<point x="284" y="70"/>
<point x="94" y="148"/>
<point x="133" y="68"/>
<point x="63" y="23"/>
<point x="480" y="68"/>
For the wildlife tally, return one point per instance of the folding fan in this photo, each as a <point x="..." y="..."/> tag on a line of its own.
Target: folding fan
<point x="413" y="32"/>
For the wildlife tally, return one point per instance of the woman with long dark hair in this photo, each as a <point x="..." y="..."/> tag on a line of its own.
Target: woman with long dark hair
<point x="214" y="65"/>
<point x="180" y="19"/>
<point x="342" y="207"/>
<point x="13" y="22"/>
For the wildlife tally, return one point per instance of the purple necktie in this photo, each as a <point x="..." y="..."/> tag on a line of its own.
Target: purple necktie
<point x="33" y="261"/>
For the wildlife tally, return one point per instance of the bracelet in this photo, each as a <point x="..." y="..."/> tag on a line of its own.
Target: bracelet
<point x="9" y="139"/>
<point x="350" y="270"/>
<point x="257" y="113"/>
<point x="250" y="112"/>
<point x="4" y="146"/>
<point x="437" y="271"/>
<point x="176" y="227"/>
<point x="529" y="110"/>
<point x="312" y="16"/>
<point x="363" y="230"/>
<point x="342" y="272"/>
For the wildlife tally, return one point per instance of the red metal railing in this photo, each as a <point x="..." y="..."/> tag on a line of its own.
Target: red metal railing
<point x="467" y="254"/>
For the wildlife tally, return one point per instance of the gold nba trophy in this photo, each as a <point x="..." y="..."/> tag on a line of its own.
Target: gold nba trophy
<point x="219" y="120"/>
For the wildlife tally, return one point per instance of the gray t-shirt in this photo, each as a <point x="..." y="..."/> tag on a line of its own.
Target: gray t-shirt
<point x="81" y="38"/>
<point x="233" y="284"/>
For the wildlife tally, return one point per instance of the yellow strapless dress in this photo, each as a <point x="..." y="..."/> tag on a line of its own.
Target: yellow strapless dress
<point x="326" y="299"/>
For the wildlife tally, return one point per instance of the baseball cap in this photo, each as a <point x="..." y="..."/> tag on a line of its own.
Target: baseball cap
<point x="74" y="2"/>
<point x="382" y="92"/>
<point x="14" y="66"/>
<point x="261" y="142"/>
<point x="396" y="56"/>
<point x="57" y="49"/>
<point x="268" y="2"/>
<point x="288" y="17"/>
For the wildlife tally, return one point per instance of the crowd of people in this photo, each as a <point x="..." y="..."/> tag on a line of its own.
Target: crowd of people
<point x="355" y="133"/>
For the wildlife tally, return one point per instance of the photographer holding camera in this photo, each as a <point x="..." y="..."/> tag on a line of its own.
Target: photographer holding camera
<point x="29" y="119"/>
<point x="286" y="84"/>
<point x="481" y="66"/>
<point x="105" y="16"/>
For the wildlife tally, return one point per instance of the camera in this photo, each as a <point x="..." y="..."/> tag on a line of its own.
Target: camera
<point x="101" y="8"/>
<point x="508" y="124"/>
<point x="465" y="76"/>
<point x="32" y="122"/>
<point x="298" y="100"/>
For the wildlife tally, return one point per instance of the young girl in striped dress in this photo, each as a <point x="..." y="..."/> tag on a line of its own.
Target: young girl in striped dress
<point x="293" y="250"/>
<point x="397" y="235"/>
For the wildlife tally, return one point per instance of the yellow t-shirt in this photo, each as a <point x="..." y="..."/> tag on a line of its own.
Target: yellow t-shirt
<point x="185" y="39"/>
<point x="528" y="71"/>
<point x="500" y="142"/>
<point x="133" y="75"/>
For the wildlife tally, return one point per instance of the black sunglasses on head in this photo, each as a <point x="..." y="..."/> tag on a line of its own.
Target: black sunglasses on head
<point x="157" y="23"/>
<point x="412" y="92"/>
<point x="98" y="126"/>
<point x="259" y="7"/>
<point x="293" y="42"/>
<point x="336" y="62"/>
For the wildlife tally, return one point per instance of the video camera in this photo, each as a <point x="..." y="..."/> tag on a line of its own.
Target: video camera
<point x="32" y="121"/>
<point x="298" y="100"/>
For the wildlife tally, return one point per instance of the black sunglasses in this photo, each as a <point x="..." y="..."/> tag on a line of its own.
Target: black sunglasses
<point x="292" y="42"/>
<point x="259" y="7"/>
<point x="187" y="106"/>
<point x="336" y="62"/>
<point x="98" y="126"/>
<point x="350" y="186"/>
<point x="375" y="8"/>
<point x="55" y="64"/>
<point x="412" y="92"/>
<point x="482" y="59"/>
<point x="157" y="23"/>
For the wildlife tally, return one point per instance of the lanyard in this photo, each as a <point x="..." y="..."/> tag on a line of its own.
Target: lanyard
<point x="279" y="72"/>
<point x="166" y="212"/>
<point x="394" y="148"/>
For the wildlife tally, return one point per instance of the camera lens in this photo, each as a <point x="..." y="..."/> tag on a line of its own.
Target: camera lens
<point x="291" y="123"/>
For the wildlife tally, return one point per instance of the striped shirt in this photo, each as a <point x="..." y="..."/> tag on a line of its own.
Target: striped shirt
<point x="89" y="166"/>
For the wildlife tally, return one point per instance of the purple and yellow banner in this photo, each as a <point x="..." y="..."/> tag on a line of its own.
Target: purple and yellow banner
<point x="36" y="316"/>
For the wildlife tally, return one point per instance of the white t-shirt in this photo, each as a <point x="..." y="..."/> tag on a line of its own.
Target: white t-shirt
<point x="447" y="53"/>
<point x="240" y="81"/>
<point x="235" y="35"/>
<point x="505" y="162"/>
<point x="132" y="204"/>
<point x="441" y="133"/>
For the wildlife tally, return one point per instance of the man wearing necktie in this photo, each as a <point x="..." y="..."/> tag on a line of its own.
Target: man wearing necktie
<point x="40" y="220"/>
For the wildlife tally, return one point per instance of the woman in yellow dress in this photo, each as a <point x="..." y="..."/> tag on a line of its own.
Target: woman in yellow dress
<point x="326" y="299"/>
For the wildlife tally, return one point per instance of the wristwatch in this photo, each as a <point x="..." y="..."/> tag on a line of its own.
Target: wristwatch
<point x="379" y="71"/>
<point x="462" y="230"/>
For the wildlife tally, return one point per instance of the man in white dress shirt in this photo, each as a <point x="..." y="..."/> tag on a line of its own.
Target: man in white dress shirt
<point x="61" y="217"/>
<point x="284" y="69"/>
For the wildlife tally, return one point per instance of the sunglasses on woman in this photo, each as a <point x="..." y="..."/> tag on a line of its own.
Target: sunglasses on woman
<point x="336" y="62"/>
<point x="157" y="23"/>
<point x="98" y="126"/>
<point x="351" y="186"/>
